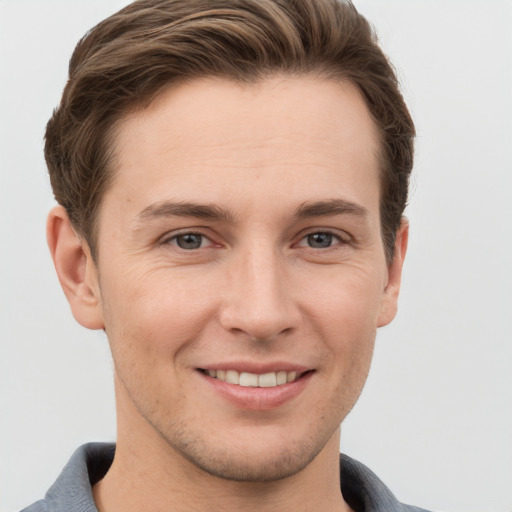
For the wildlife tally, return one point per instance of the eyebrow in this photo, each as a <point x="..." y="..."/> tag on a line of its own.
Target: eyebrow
<point x="165" y="209"/>
<point x="331" y="207"/>
<point x="306" y="210"/>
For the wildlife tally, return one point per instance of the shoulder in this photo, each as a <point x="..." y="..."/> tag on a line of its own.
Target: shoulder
<point x="363" y="490"/>
<point x="73" y="488"/>
<point x="38" y="506"/>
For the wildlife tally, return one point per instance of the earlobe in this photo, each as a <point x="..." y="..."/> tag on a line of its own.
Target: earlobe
<point x="389" y="303"/>
<point x="75" y="268"/>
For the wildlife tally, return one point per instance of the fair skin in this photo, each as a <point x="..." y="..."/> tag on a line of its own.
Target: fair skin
<point x="241" y="236"/>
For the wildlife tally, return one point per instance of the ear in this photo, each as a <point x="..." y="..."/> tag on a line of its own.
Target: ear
<point x="389" y="301"/>
<point x="75" y="268"/>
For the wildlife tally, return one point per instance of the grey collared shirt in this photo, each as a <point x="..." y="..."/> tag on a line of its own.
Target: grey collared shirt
<point x="72" y="491"/>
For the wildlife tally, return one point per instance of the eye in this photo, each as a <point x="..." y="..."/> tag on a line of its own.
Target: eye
<point x="321" y="240"/>
<point x="189" y="241"/>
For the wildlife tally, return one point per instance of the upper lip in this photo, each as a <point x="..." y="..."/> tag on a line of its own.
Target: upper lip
<point x="257" y="368"/>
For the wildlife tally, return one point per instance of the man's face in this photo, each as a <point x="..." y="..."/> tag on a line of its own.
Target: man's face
<point x="240" y="244"/>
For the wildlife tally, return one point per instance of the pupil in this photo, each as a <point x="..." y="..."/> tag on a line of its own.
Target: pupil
<point x="189" y="241"/>
<point x="320" y="240"/>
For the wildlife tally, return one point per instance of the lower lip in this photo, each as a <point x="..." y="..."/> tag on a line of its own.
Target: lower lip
<point x="258" y="398"/>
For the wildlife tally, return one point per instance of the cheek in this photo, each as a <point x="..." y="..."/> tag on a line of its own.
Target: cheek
<point x="345" y="313"/>
<point x="346" y="299"/>
<point x="350" y="344"/>
<point x="151" y="316"/>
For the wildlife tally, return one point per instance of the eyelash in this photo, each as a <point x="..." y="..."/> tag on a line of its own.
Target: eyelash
<point x="337" y="239"/>
<point x="173" y="240"/>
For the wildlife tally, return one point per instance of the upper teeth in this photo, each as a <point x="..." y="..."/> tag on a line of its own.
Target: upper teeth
<point x="246" y="379"/>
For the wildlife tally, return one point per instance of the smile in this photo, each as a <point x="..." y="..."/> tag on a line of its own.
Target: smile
<point x="254" y="380"/>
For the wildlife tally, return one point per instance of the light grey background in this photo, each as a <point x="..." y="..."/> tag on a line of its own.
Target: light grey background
<point x="435" y="419"/>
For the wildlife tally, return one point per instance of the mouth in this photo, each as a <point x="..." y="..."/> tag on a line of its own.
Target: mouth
<point x="259" y="389"/>
<point x="255" y="380"/>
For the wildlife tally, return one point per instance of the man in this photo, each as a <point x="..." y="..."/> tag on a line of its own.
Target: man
<point x="231" y="178"/>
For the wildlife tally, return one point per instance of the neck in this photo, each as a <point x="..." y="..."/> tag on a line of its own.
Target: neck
<point x="148" y="474"/>
<point x="147" y="479"/>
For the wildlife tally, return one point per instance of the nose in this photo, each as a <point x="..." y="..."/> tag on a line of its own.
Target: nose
<point x="260" y="302"/>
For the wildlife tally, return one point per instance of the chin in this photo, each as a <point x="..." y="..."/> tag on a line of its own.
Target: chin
<point x="252" y="465"/>
<point x="263" y="456"/>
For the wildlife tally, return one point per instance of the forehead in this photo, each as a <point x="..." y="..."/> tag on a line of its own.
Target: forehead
<point x="211" y="135"/>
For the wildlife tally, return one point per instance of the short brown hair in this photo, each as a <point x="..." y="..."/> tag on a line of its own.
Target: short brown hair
<point x="125" y="60"/>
